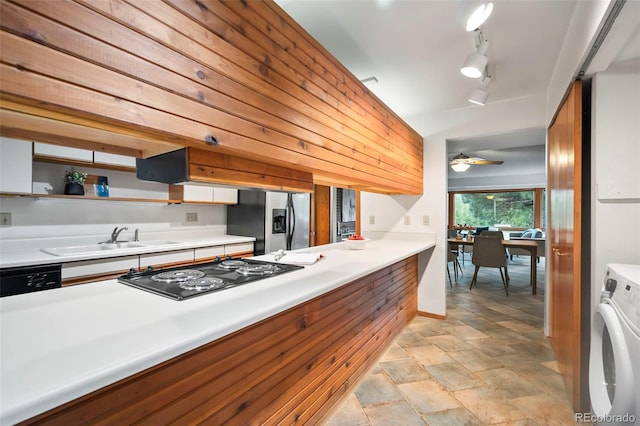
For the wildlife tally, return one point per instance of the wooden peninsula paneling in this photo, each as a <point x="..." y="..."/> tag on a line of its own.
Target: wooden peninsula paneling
<point x="169" y="74"/>
<point x="288" y="369"/>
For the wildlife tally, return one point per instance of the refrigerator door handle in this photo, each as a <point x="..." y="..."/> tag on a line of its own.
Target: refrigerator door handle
<point x="291" y="223"/>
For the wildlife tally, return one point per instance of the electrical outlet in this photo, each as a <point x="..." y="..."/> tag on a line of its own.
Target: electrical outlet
<point x="425" y="220"/>
<point x="372" y="220"/>
<point x="407" y="220"/>
<point x="192" y="217"/>
<point x="5" y="219"/>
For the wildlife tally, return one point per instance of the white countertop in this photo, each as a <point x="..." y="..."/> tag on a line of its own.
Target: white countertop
<point x="33" y="255"/>
<point x="57" y="345"/>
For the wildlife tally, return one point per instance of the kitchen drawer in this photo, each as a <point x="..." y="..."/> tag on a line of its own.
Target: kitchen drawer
<point x="208" y="252"/>
<point x="238" y="248"/>
<point x="155" y="259"/>
<point x="98" y="266"/>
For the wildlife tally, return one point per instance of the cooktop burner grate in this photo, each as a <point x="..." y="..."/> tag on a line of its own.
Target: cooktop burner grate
<point x="231" y="264"/>
<point x="178" y="275"/>
<point x="204" y="283"/>
<point x="258" y="270"/>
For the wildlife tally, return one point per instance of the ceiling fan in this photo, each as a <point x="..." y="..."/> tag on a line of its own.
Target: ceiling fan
<point x="462" y="162"/>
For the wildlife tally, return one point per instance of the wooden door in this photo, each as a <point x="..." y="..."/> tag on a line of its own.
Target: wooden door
<point x="322" y="212"/>
<point x="568" y="316"/>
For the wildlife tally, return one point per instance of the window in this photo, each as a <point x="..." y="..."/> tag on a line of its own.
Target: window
<point x="506" y="209"/>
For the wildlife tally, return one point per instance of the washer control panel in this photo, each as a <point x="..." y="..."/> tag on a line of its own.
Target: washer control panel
<point x="623" y="285"/>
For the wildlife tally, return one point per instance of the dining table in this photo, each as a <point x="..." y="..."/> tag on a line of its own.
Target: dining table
<point x="529" y="245"/>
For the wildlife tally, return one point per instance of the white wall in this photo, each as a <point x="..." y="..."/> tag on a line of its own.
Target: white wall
<point x="585" y="26"/>
<point x="520" y="181"/>
<point x="390" y="213"/>
<point x="615" y="149"/>
<point x="50" y="218"/>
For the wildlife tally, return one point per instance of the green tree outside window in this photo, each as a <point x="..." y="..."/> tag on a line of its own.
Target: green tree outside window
<point x="515" y="209"/>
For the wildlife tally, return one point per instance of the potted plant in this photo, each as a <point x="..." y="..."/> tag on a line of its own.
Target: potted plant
<point x="74" y="182"/>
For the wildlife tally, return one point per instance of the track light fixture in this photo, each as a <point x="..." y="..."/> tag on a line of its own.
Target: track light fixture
<point x="476" y="62"/>
<point x="477" y="14"/>
<point x="479" y="96"/>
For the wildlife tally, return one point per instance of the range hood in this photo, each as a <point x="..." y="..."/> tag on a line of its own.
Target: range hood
<point x="199" y="166"/>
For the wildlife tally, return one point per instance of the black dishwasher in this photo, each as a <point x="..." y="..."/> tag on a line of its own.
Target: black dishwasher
<point x="26" y="279"/>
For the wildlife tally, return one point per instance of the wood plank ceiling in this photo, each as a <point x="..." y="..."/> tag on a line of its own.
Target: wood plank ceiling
<point x="152" y="77"/>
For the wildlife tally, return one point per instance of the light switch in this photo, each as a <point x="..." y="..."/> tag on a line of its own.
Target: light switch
<point x="425" y="220"/>
<point x="407" y="220"/>
<point x="372" y="220"/>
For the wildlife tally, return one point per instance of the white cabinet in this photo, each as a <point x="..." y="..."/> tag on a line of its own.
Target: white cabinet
<point x="87" y="268"/>
<point x="98" y="158"/>
<point x="165" y="258"/>
<point x="15" y="166"/>
<point x="225" y="195"/>
<point x="238" y="248"/>
<point x="65" y="152"/>
<point x="197" y="193"/>
<point x="113" y="159"/>
<point x="86" y="271"/>
<point x="208" y="253"/>
<point x="204" y="194"/>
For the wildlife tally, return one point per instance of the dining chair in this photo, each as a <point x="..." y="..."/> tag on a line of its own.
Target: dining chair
<point x="498" y="234"/>
<point x="489" y="252"/>
<point x="456" y="248"/>
<point x="452" y="257"/>
<point x="466" y="249"/>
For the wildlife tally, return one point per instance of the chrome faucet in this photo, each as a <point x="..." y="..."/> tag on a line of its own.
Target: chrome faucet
<point x="135" y="235"/>
<point x="116" y="233"/>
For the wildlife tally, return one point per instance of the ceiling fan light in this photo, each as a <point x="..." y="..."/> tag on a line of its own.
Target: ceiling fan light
<point x="474" y="65"/>
<point x="478" y="96"/>
<point x="460" y="167"/>
<point x="479" y="15"/>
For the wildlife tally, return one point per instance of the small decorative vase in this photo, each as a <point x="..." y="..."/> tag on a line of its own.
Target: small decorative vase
<point x="74" y="189"/>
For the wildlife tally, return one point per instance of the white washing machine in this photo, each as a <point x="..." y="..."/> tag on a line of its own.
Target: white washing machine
<point x="614" y="364"/>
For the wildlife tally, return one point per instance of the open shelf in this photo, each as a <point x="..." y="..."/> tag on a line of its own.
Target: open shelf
<point x="91" y="197"/>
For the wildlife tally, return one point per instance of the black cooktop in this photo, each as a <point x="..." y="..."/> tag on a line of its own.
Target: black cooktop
<point x="185" y="282"/>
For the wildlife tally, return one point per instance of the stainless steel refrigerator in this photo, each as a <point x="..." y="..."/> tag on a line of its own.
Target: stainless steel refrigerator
<point x="278" y="220"/>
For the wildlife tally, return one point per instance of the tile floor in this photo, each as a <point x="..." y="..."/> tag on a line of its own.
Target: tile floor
<point x="487" y="363"/>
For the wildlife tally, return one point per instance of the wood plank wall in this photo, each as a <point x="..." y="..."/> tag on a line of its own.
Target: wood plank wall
<point x="290" y="368"/>
<point x="322" y="206"/>
<point x="168" y="74"/>
<point x="207" y="166"/>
